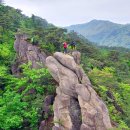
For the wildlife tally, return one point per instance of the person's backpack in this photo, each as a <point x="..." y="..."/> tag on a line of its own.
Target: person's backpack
<point x="74" y="43"/>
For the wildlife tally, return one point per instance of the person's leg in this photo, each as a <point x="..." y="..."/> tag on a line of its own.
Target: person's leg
<point x="74" y="47"/>
<point x="65" y="50"/>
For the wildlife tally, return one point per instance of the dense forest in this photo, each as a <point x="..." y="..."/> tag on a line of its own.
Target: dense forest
<point x="107" y="68"/>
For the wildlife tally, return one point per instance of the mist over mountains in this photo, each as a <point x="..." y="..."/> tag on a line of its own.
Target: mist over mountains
<point x="104" y="33"/>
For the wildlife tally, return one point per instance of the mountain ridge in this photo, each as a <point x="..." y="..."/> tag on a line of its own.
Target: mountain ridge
<point x="104" y="33"/>
<point x="94" y="20"/>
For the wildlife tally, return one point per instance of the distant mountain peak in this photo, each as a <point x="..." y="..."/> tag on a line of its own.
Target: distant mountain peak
<point x="104" y="32"/>
<point x="95" y="21"/>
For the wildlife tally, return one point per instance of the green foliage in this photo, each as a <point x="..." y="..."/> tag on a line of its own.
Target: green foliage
<point x="34" y="79"/>
<point x="103" y="77"/>
<point x="16" y="107"/>
<point x="11" y="110"/>
<point x="21" y="98"/>
<point x="105" y="81"/>
<point x="49" y="47"/>
<point x="3" y="77"/>
<point x="5" y="53"/>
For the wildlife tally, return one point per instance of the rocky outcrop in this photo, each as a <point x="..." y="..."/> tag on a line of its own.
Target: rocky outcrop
<point x="26" y="52"/>
<point x="77" y="106"/>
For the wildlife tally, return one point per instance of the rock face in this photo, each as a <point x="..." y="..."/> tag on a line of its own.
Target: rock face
<point x="77" y="106"/>
<point x="27" y="52"/>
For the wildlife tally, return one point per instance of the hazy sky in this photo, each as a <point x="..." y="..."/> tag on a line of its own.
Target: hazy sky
<point x="68" y="12"/>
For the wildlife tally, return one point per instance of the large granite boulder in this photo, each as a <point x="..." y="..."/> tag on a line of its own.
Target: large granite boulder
<point x="77" y="106"/>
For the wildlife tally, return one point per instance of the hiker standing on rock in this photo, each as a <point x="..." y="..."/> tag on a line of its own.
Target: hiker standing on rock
<point x="73" y="45"/>
<point x="65" y="45"/>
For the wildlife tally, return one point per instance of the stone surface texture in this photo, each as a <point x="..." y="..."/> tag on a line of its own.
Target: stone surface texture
<point x="77" y="106"/>
<point x="26" y="52"/>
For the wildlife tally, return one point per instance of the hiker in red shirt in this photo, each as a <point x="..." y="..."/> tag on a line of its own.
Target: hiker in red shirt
<point x="65" y="45"/>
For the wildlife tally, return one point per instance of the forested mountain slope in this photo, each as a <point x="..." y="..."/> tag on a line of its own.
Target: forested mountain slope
<point x="25" y="86"/>
<point x="104" y="33"/>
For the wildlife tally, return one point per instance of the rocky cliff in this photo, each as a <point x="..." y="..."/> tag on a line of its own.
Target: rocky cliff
<point x="26" y="52"/>
<point x="77" y="106"/>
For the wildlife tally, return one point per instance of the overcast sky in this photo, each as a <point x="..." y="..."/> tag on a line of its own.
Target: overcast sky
<point x="68" y="12"/>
